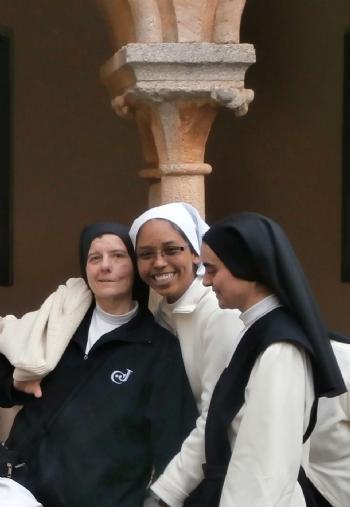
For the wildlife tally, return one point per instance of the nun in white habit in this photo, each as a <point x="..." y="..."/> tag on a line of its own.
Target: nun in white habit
<point x="263" y="407"/>
<point x="167" y="240"/>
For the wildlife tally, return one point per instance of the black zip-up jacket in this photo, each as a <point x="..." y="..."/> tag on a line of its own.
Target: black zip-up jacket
<point x="106" y="421"/>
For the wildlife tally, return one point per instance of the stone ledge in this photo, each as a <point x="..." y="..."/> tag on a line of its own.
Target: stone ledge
<point x="180" y="53"/>
<point x="189" y="71"/>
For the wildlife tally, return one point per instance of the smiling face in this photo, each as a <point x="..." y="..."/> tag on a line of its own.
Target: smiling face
<point x="231" y="292"/>
<point x="165" y="267"/>
<point x="110" y="274"/>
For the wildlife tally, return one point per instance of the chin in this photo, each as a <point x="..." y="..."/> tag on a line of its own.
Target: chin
<point x="164" y="290"/>
<point x="222" y="303"/>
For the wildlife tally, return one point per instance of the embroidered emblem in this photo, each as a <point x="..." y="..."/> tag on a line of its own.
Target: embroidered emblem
<point x="119" y="377"/>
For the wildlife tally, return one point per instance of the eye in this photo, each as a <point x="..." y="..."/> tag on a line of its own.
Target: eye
<point x="94" y="258"/>
<point x="173" y="250"/>
<point x="119" y="255"/>
<point x="145" y="255"/>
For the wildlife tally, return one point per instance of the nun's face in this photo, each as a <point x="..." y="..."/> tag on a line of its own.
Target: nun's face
<point x="110" y="273"/>
<point x="164" y="259"/>
<point x="231" y="292"/>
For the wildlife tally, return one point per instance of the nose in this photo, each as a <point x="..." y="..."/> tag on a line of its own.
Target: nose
<point x="105" y="263"/>
<point x="159" y="259"/>
<point x="206" y="280"/>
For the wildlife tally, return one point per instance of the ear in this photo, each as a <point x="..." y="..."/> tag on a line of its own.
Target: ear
<point x="196" y="258"/>
<point x="196" y="261"/>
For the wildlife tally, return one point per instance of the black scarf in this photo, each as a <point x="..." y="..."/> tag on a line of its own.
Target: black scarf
<point x="255" y="248"/>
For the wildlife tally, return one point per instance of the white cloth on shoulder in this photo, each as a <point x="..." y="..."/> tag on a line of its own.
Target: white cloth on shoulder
<point x="35" y="342"/>
<point x="13" y="494"/>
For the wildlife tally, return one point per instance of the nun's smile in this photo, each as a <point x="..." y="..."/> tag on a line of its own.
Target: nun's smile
<point x="163" y="278"/>
<point x="164" y="259"/>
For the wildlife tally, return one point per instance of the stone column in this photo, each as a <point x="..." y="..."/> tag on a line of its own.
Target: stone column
<point x="175" y="63"/>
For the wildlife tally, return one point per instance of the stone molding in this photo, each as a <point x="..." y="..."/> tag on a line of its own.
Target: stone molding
<point x="188" y="71"/>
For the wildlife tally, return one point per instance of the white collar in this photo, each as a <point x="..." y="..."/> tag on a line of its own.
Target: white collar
<point x="260" y="309"/>
<point x="117" y="320"/>
<point x="188" y="302"/>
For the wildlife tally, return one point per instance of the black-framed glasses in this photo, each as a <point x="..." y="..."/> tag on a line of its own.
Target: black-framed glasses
<point x="167" y="251"/>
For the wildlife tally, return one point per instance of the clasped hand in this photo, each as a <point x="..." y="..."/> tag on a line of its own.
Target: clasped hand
<point x="29" y="387"/>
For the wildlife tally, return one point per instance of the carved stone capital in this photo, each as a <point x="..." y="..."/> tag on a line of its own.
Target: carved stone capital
<point x="206" y="72"/>
<point x="175" y="63"/>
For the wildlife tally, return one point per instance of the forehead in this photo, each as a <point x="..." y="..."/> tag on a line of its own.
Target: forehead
<point x="108" y="242"/>
<point x="209" y="256"/>
<point x="157" y="231"/>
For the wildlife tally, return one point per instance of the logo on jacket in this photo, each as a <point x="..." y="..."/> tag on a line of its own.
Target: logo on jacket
<point x="119" y="377"/>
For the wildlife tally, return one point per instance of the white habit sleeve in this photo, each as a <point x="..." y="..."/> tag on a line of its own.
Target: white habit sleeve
<point x="268" y="432"/>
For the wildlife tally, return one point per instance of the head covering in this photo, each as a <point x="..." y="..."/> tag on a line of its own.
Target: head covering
<point x="92" y="231"/>
<point x="255" y="248"/>
<point x="182" y="214"/>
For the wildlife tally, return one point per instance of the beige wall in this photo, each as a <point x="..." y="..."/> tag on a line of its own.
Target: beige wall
<point x="76" y="162"/>
<point x="284" y="158"/>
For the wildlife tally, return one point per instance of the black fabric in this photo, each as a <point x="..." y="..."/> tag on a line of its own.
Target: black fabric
<point x="90" y="232"/>
<point x="313" y="497"/>
<point x="102" y="436"/>
<point x="9" y="462"/>
<point x="255" y="248"/>
<point x="228" y="395"/>
<point x="333" y="335"/>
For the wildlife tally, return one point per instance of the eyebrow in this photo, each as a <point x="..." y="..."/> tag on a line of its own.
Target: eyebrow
<point x="165" y="243"/>
<point x="115" y="250"/>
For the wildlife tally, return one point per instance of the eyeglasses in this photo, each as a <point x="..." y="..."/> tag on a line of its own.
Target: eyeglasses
<point x="167" y="251"/>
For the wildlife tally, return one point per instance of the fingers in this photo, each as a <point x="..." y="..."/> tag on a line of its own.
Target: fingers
<point x="29" y="387"/>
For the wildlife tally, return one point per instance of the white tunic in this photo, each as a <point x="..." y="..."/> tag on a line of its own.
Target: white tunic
<point x="266" y="435"/>
<point x="13" y="494"/>
<point x="329" y="467"/>
<point x="208" y="337"/>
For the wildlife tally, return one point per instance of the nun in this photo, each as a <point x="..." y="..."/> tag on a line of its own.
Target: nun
<point x="167" y="241"/>
<point x="114" y="403"/>
<point x="264" y="405"/>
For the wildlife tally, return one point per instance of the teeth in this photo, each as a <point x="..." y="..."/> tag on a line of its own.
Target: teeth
<point x="163" y="277"/>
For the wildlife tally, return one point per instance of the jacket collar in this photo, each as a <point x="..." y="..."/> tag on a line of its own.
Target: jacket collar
<point x="138" y="330"/>
<point x="188" y="301"/>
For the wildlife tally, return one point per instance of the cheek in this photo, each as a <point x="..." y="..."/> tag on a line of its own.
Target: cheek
<point x="126" y="271"/>
<point x="90" y="272"/>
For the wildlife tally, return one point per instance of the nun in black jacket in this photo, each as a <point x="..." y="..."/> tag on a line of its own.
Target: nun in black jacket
<point x="117" y="406"/>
